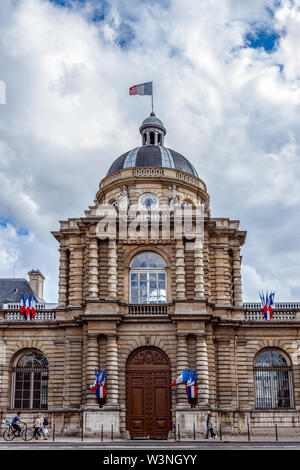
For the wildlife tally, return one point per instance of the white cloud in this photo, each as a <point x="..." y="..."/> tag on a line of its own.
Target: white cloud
<point x="233" y="110"/>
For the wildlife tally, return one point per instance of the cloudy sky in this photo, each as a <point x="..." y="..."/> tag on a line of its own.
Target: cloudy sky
<point x="227" y="87"/>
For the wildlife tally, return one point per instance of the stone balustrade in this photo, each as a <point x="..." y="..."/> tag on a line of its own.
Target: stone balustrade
<point x="11" y="315"/>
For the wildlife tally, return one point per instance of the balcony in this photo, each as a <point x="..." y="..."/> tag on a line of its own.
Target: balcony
<point x="284" y="311"/>
<point x="14" y="315"/>
<point x="153" y="310"/>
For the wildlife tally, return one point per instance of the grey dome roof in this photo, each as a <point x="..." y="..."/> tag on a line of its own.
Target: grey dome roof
<point x="152" y="155"/>
<point x="152" y="121"/>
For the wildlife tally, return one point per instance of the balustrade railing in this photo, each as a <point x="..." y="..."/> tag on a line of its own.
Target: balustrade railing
<point x="281" y="311"/>
<point x="10" y="315"/>
<point x="148" y="309"/>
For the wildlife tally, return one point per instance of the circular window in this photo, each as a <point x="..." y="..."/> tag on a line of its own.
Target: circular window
<point x="148" y="202"/>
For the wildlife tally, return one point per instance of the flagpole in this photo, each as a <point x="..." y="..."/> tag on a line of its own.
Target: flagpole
<point x="152" y="97"/>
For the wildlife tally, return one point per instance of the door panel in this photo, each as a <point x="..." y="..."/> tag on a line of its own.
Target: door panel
<point x="148" y="394"/>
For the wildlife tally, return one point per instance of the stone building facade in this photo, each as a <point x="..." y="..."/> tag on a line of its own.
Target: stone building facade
<point x="141" y="296"/>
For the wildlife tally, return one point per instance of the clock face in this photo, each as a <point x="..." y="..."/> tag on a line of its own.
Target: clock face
<point x="148" y="202"/>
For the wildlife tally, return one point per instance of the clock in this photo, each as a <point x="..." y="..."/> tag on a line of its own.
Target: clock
<point x="148" y="202"/>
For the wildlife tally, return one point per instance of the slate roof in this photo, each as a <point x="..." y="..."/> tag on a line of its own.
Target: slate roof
<point x="11" y="290"/>
<point x="152" y="155"/>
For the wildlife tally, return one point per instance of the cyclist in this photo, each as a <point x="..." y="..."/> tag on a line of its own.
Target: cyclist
<point x="14" y="423"/>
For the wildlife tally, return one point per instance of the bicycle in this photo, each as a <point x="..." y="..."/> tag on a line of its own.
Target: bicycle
<point x="10" y="433"/>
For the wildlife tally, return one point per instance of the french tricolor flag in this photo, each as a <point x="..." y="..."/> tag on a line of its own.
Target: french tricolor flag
<point x="33" y="308"/>
<point x="101" y="391"/>
<point x="96" y="382"/>
<point x="192" y="391"/>
<point x="142" y="89"/>
<point x="22" y="305"/>
<point x="27" y="306"/>
<point x="182" y="378"/>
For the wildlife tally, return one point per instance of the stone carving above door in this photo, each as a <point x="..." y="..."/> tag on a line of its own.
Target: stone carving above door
<point x="148" y="356"/>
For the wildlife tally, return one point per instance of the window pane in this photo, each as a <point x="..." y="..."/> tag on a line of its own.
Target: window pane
<point x="31" y="381"/>
<point x="264" y="359"/>
<point x="147" y="259"/>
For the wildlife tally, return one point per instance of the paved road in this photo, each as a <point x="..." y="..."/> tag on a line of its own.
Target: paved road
<point x="150" y="445"/>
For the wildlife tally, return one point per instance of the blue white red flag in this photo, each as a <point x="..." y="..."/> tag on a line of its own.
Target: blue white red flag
<point x="22" y="305"/>
<point x="182" y="378"/>
<point x="96" y="382"/>
<point x="193" y="391"/>
<point x="142" y="89"/>
<point x="27" y="306"/>
<point x="267" y="302"/>
<point x="101" y="391"/>
<point x="33" y="308"/>
<point x="102" y="378"/>
<point x="192" y="378"/>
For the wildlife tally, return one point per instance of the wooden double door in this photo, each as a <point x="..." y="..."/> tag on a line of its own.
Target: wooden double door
<point x="148" y="394"/>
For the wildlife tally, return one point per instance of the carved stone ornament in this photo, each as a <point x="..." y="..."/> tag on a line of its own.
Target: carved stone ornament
<point x="148" y="357"/>
<point x="173" y="198"/>
<point x="123" y="198"/>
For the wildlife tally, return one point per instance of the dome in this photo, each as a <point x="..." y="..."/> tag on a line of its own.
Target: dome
<point x="152" y="152"/>
<point x="152" y="121"/>
<point x="153" y="155"/>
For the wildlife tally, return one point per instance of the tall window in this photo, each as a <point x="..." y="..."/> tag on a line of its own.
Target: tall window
<point x="273" y="380"/>
<point x="30" y="382"/>
<point x="148" y="279"/>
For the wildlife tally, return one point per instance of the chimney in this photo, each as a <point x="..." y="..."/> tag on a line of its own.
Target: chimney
<point x="36" y="280"/>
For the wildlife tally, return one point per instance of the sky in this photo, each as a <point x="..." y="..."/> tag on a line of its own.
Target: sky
<point x="226" y="85"/>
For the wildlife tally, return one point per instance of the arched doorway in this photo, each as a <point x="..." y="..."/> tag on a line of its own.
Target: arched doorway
<point x="148" y="394"/>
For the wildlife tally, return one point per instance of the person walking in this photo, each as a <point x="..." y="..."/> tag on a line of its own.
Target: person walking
<point x="37" y="426"/>
<point x="210" y="426"/>
<point x="44" y="427"/>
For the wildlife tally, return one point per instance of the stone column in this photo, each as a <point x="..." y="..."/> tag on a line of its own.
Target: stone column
<point x="112" y="371"/>
<point x="220" y="275"/>
<point x="206" y="255"/>
<point x="92" y="362"/>
<point x="93" y="269"/>
<point x="112" y="269"/>
<point x="180" y="270"/>
<point x="202" y="370"/>
<point x="237" y="278"/>
<point x="75" y="276"/>
<point x="63" y="277"/>
<point x="198" y="270"/>
<point x="182" y="363"/>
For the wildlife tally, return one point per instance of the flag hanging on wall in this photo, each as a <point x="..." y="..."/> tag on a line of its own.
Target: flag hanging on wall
<point x="182" y="378"/>
<point x="193" y="391"/>
<point x="142" y="89"/>
<point x="96" y="381"/>
<point x="99" y="383"/>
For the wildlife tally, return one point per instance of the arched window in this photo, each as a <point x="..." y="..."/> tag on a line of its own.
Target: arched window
<point x="30" y="382"/>
<point x="273" y="380"/>
<point x="152" y="138"/>
<point x="148" y="279"/>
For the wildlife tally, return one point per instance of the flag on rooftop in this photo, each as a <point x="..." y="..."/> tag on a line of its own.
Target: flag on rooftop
<point x="142" y="89"/>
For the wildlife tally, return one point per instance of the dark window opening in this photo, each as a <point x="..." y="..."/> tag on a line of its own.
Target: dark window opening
<point x="273" y="381"/>
<point x="30" y="381"/>
<point x="151" y="138"/>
